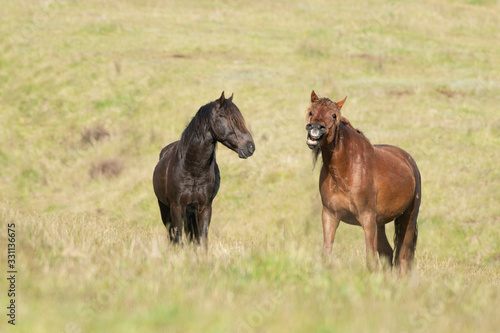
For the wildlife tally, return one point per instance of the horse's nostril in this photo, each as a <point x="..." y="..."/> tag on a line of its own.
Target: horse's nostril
<point x="315" y="132"/>
<point x="251" y="148"/>
<point x="308" y="127"/>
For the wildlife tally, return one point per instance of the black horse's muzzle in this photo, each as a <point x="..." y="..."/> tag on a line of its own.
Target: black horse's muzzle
<point x="247" y="150"/>
<point x="315" y="133"/>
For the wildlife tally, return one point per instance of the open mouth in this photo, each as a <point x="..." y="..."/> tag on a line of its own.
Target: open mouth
<point x="312" y="141"/>
<point x="242" y="154"/>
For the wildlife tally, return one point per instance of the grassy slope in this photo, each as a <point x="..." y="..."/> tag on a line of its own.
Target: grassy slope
<point x="92" y="251"/>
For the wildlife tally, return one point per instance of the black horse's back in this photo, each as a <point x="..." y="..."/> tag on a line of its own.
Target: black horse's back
<point x="167" y="148"/>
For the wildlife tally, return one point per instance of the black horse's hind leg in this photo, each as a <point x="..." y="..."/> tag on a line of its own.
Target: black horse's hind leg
<point x="204" y="217"/>
<point x="165" y="213"/>
<point x="167" y="220"/>
<point x="190" y="225"/>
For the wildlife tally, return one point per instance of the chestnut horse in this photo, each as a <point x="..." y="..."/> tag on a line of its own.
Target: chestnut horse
<point x="187" y="178"/>
<point x="364" y="184"/>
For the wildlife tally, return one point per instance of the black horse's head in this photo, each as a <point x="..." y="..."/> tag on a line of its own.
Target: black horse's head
<point x="229" y="127"/>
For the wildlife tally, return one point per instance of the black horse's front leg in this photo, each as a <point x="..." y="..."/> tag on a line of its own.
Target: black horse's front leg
<point x="176" y="224"/>
<point x="204" y="216"/>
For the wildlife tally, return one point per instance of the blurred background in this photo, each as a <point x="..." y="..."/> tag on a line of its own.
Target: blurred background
<point x="90" y="91"/>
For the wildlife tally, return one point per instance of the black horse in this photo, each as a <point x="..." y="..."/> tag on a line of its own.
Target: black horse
<point x="187" y="178"/>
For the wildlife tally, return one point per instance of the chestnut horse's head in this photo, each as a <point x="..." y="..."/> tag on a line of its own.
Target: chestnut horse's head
<point x="229" y="128"/>
<point x="324" y="118"/>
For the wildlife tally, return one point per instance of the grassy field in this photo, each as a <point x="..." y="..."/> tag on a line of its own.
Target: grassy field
<point x="90" y="91"/>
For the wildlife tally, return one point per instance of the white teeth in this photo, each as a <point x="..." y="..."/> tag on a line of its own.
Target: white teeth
<point x="312" y="142"/>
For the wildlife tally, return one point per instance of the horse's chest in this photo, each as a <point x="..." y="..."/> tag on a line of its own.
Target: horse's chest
<point x="339" y="202"/>
<point x="196" y="191"/>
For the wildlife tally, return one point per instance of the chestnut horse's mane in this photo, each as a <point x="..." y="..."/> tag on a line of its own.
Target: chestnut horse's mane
<point x="346" y="122"/>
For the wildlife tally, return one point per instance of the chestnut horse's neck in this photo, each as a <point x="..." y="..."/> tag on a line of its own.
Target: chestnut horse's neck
<point x="342" y="148"/>
<point x="197" y="144"/>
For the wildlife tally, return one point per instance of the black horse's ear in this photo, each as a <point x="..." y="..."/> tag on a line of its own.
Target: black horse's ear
<point x="231" y="98"/>
<point x="221" y="100"/>
<point x="314" y="97"/>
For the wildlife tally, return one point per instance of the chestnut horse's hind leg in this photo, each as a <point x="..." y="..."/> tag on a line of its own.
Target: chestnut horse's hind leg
<point x="405" y="237"/>
<point x="383" y="247"/>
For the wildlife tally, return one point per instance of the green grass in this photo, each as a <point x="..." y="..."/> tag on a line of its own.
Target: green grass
<point x="92" y="253"/>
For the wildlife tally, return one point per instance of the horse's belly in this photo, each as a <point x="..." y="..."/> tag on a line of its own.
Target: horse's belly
<point x="395" y="181"/>
<point x="347" y="216"/>
<point x="392" y="202"/>
<point x="395" y="192"/>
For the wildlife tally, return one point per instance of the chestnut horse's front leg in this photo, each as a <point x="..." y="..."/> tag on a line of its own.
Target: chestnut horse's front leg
<point x="369" y="224"/>
<point x="204" y="217"/>
<point x="330" y="224"/>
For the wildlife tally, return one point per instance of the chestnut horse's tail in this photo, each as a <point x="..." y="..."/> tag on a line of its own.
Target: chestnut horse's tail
<point x="406" y="228"/>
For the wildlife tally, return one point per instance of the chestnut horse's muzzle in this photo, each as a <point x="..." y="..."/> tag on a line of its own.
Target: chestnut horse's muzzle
<point x="314" y="134"/>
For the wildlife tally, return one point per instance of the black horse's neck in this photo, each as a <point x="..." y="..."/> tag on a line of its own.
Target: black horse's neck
<point x="197" y="144"/>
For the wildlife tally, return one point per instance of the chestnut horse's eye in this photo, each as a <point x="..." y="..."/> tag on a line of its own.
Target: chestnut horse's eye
<point x="310" y="114"/>
<point x="334" y="116"/>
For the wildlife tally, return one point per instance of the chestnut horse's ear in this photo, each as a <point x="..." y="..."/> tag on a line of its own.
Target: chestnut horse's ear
<point x="339" y="104"/>
<point x="231" y="98"/>
<point x="314" y="97"/>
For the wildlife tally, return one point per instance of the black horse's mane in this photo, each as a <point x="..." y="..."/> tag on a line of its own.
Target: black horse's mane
<point x="200" y="124"/>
